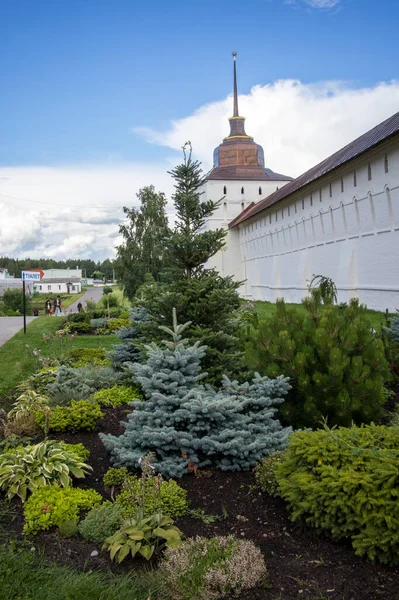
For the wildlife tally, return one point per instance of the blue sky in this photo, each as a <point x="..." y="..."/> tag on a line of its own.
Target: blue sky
<point x="77" y="75"/>
<point x="98" y="96"/>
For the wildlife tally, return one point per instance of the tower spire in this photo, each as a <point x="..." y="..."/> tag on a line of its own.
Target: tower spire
<point x="235" y="86"/>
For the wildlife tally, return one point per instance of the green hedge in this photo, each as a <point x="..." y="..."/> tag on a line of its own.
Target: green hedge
<point x="346" y="481"/>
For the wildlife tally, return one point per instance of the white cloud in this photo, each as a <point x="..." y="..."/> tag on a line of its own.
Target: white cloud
<point x="73" y="211"/>
<point x="297" y="124"/>
<point x="322" y="3"/>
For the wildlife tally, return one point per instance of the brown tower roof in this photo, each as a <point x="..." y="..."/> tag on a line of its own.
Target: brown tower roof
<point x="239" y="157"/>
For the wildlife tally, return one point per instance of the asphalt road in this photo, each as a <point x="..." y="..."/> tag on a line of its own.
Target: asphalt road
<point x="93" y="293"/>
<point x="9" y="326"/>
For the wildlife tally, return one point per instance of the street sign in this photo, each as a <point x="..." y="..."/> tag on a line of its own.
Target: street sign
<point x="32" y="275"/>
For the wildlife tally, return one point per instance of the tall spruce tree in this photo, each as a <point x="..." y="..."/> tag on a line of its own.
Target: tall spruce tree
<point x="187" y="424"/>
<point x="189" y="248"/>
<point x="144" y="233"/>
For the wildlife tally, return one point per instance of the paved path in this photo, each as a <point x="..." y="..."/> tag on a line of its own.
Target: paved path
<point x="9" y="326"/>
<point x="94" y="293"/>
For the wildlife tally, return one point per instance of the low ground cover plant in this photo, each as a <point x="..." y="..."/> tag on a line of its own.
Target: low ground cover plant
<point x="53" y="506"/>
<point x="28" y="468"/>
<point x="80" y="383"/>
<point x="210" y="568"/>
<point x="80" y="415"/>
<point x="116" y="395"/>
<point x="346" y="481"/>
<point x="335" y="362"/>
<point x="83" y="357"/>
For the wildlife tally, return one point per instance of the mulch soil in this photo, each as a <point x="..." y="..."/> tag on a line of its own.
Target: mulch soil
<point x="301" y="563"/>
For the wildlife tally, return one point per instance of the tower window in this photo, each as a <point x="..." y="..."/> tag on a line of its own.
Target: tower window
<point x="342" y="184"/>
<point x="224" y="190"/>
<point x="330" y="188"/>
<point x="276" y="216"/>
<point x="386" y="163"/>
<point x="354" y="178"/>
<point x="303" y="203"/>
<point x="282" y="213"/>
<point x="311" y="199"/>
<point x="242" y="190"/>
<point x="270" y="219"/>
<point x="369" y="177"/>
<point x="289" y="211"/>
<point x="260" y="191"/>
<point x="320" y="195"/>
<point x="242" y="206"/>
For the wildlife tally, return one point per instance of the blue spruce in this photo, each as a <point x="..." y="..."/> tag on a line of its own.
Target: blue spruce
<point x="128" y="351"/>
<point x="186" y="423"/>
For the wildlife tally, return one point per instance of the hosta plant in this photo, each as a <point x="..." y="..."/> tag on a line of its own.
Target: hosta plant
<point x="143" y="536"/>
<point x="31" y="467"/>
<point x="26" y="404"/>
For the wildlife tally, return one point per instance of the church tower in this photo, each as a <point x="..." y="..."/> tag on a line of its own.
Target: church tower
<point x="240" y="178"/>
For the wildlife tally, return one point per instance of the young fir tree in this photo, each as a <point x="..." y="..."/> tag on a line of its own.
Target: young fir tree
<point x="190" y="247"/>
<point x="187" y="424"/>
<point x="200" y="295"/>
<point x="335" y="363"/>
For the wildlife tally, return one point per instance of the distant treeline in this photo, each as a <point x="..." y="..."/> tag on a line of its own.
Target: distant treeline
<point x="16" y="265"/>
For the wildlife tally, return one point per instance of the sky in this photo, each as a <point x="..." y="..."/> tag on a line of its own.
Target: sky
<point x="98" y="96"/>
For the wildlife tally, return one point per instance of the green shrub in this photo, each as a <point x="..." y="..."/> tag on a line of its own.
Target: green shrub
<point x="14" y="301"/>
<point x="52" y="506"/>
<point x="346" y="481"/>
<point x="115" y="476"/>
<point x="116" y="396"/>
<point x="99" y="313"/>
<point x="210" y="568"/>
<point x="83" y="357"/>
<point x="335" y="364"/>
<point x="115" y="324"/>
<point x="101" y="522"/>
<point x="80" y="328"/>
<point x="113" y="300"/>
<point x="31" y="467"/>
<point x="79" y="449"/>
<point x="81" y="415"/>
<point x="69" y="529"/>
<point x="145" y="537"/>
<point x="80" y="317"/>
<point x="153" y="494"/>
<point x="265" y="473"/>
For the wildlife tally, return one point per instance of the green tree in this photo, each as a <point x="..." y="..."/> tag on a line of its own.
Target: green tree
<point x="143" y="233"/>
<point x="190" y="247"/>
<point x="335" y="362"/>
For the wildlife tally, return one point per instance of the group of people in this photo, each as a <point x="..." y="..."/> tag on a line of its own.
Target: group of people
<point x="53" y="307"/>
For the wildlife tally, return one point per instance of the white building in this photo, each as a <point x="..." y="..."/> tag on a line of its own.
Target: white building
<point x="4" y="274"/>
<point x="58" y="286"/>
<point x="339" y="219"/>
<point x="62" y="273"/>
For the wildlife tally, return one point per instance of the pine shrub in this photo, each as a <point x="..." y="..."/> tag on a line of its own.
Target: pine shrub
<point x="346" y="481"/>
<point x="80" y="383"/>
<point x="190" y="426"/>
<point x="152" y="496"/>
<point x="335" y="363"/>
<point x="101" y="522"/>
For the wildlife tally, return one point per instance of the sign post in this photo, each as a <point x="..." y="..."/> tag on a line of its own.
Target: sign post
<point x="29" y="276"/>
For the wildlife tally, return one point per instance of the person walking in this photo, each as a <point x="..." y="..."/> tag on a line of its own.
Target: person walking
<point x="47" y="307"/>
<point x="80" y="306"/>
<point x="57" y="305"/>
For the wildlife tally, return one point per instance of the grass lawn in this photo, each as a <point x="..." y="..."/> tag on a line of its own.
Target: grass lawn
<point x="122" y="300"/>
<point x="16" y="363"/>
<point x="25" y="576"/>
<point x="266" y="310"/>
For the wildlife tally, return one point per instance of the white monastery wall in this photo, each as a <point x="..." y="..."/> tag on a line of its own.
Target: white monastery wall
<point x="345" y="226"/>
<point x="235" y="196"/>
